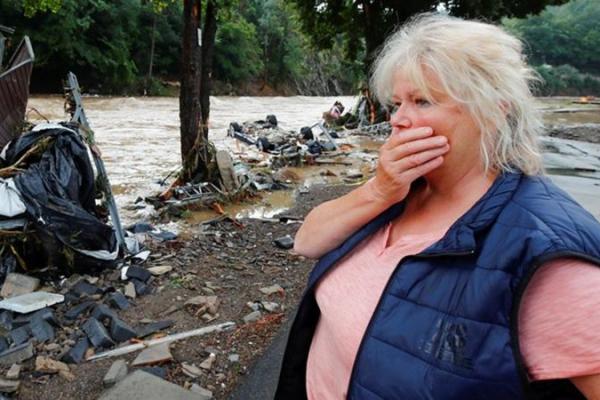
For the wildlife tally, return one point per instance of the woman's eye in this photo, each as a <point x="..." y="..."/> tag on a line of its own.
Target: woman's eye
<point x="392" y="108"/>
<point x="422" y="102"/>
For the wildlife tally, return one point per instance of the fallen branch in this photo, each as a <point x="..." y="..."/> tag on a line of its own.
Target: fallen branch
<point x="167" y="339"/>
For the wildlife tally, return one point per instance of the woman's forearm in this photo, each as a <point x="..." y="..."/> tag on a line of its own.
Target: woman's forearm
<point x="329" y="224"/>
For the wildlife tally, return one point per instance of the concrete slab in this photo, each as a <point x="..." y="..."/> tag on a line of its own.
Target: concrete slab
<point x="144" y="386"/>
<point x="31" y="302"/>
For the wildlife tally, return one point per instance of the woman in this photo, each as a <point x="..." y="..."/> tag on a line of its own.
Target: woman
<point x="419" y="290"/>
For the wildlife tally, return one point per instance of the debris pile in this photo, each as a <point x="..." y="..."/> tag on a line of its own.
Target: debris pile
<point x="286" y="148"/>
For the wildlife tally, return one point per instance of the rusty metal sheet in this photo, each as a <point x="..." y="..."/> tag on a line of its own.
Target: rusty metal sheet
<point x="14" y="91"/>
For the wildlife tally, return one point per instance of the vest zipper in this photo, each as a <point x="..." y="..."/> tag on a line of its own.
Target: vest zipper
<point x="369" y="326"/>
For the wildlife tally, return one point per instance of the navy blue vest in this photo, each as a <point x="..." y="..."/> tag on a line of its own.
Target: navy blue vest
<point x="445" y="326"/>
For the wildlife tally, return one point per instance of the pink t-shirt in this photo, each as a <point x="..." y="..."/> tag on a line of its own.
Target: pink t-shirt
<point x="557" y="322"/>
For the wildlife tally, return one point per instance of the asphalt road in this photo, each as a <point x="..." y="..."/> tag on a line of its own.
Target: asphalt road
<point x="261" y="381"/>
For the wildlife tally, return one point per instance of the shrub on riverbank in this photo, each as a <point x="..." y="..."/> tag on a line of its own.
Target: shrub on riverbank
<point x="566" y="80"/>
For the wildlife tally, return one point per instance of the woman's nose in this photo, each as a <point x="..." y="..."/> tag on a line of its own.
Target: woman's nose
<point x="400" y="119"/>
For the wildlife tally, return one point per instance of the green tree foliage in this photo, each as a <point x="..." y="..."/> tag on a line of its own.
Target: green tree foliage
<point x="568" y="34"/>
<point x="566" y="80"/>
<point x="563" y="42"/>
<point x="32" y="7"/>
<point x="237" y="53"/>
<point x="104" y="42"/>
<point x="368" y="22"/>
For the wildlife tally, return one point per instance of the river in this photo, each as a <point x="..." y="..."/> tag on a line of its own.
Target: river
<point x="139" y="140"/>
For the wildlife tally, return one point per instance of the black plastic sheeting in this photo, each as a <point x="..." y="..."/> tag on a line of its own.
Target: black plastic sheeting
<point x="58" y="192"/>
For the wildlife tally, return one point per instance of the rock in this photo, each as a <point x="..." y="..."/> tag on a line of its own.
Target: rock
<point x="204" y="303"/>
<point x="17" y="284"/>
<point x="151" y="328"/>
<point x="50" y="366"/>
<point x="77" y="353"/>
<point x="285" y="242"/>
<point x="234" y="358"/>
<point x="211" y="285"/>
<point x="3" y="344"/>
<point x="6" y="320"/>
<point x="142" y="385"/>
<point x="205" y="394"/>
<point x="9" y="386"/>
<point x="130" y="290"/>
<point x="45" y="313"/>
<point x="160" y="270"/>
<point x="120" y="331"/>
<point x="139" y="273"/>
<point x="17" y="354"/>
<point x="252" y="317"/>
<point x="191" y="370"/>
<point x="92" y="279"/>
<point x="271" y="290"/>
<point x="97" y="334"/>
<point x="85" y="288"/>
<point x="153" y="355"/>
<point x="354" y="174"/>
<point x="171" y="310"/>
<point x="118" y="300"/>
<point x="116" y="372"/>
<point x="253" y="305"/>
<point x="50" y="347"/>
<point x="269" y="306"/>
<point x="13" y="372"/>
<point x="76" y="311"/>
<point x="30" y="302"/>
<point x="207" y="317"/>
<point x="208" y="363"/>
<point x="140" y="287"/>
<point x="20" y="335"/>
<point x="41" y="330"/>
<point x="103" y="314"/>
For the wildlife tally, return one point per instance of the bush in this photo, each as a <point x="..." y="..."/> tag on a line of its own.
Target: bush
<point x="566" y="80"/>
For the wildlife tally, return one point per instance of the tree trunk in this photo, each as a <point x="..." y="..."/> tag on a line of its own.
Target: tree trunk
<point x="151" y="62"/>
<point x="189" y="97"/>
<point x="208" y="47"/>
<point x="373" y="34"/>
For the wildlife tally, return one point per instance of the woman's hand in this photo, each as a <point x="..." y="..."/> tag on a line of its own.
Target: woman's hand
<point x="406" y="156"/>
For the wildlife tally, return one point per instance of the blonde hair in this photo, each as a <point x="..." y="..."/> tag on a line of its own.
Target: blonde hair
<point x="479" y="66"/>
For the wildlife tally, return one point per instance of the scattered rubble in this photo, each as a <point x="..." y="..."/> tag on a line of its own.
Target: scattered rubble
<point x="13" y="372"/>
<point x="272" y="290"/>
<point x="156" y="354"/>
<point x="286" y="242"/>
<point x="18" y="284"/>
<point x="17" y="354"/>
<point x="8" y="385"/>
<point x="116" y="372"/>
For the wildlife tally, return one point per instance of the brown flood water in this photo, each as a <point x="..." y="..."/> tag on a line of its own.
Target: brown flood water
<point x="139" y="140"/>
